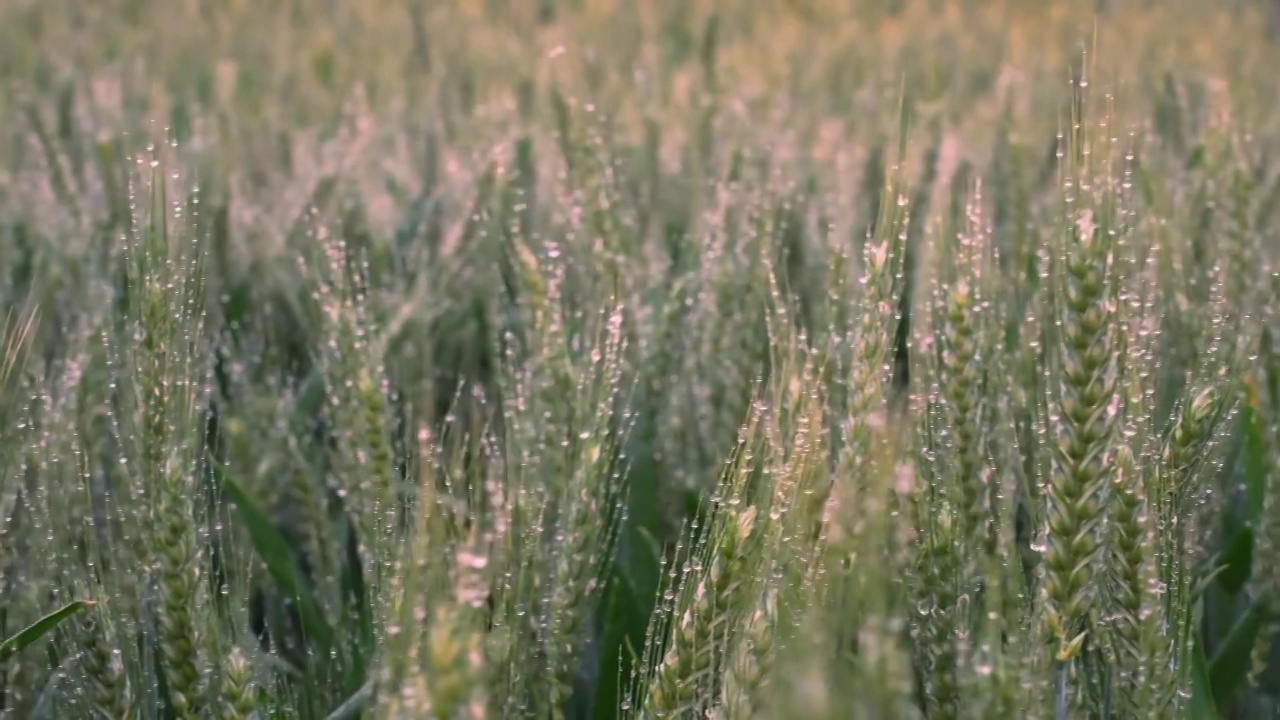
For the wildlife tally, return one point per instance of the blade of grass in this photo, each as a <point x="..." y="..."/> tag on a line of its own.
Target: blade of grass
<point x="1230" y="664"/>
<point x="354" y="705"/>
<point x="1201" y="706"/>
<point x="274" y="551"/>
<point x="38" y="629"/>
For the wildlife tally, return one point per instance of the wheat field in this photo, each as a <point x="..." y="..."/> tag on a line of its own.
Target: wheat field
<point x="639" y="359"/>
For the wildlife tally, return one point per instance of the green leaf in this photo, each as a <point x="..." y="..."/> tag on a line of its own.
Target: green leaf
<point x="1254" y="453"/>
<point x="40" y="628"/>
<point x="564" y="129"/>
<point x="707" y="53"/>
<point x="1230" y="663"/>
<point x="636" y="575"/>
<point x="274" y="551"/>
<point x="354" y="705"/>
<point x="1236" y="561"/>
<point x="1202" y="705"/>
<point x="1197" y="157"/>
<point x="354" y="595"/>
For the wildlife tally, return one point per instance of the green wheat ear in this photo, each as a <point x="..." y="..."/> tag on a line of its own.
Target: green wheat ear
<point x="680" y="683"/>
<point x="238" y="698"/>
<point x="104" y="668"/>
<point x="1085" y="431"/>
<point x="167" y="375"/>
